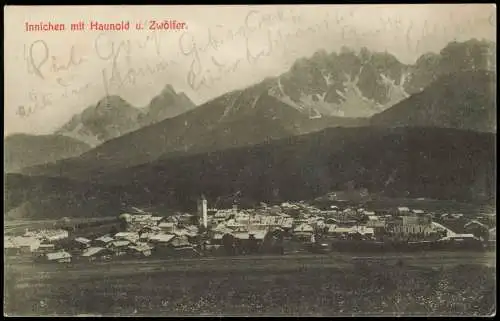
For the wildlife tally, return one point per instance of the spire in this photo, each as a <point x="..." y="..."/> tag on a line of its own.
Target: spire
<point x="203" y="198"/>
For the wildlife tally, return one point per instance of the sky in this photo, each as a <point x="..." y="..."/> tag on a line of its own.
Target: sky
<point x="52" y="75"/>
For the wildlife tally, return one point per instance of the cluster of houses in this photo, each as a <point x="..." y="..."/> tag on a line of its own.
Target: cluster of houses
<point x="144" y="234"/>
<point x="42" y="241"/>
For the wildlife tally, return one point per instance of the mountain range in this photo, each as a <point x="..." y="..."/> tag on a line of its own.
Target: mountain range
<point x="372" y="118"/>
<point x="109" y="118"/>
<point x="463" y="100"/>
<point x="397" y="162"/>
<point x="21" y="150"/>
<point x="113" y="117"/>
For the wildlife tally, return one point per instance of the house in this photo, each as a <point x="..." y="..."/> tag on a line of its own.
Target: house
<point x="169" y="219"/>
<point x="460" y="237"/>
<point x="403" y="210"/>
<point x="141" y="217"/>
<point x="132" y="237"/>
<point x="474" y="224"/>
<point x="156" y="219"/>
<point x="286" y="223"/>
<point x="417" y="212"/>
<point x="337" y="231"/>
<point x="119" y="247"/>
<point x="94" y="253"/>
<point x="477" y="228"/>
<point x="365" y="231"/>
<point x="161" y="239"/>
<point x="258" y="235"/>
<point x="144" y="237"/>
<point x="221" y="228"/>
<point x="45" y="248"/>
<point x="223" y="214"/>
<point x="185" y="218"/>
<point x="81" y="243"/>
<point x="26" y="244"/>
<point x="216" y="237"/>
<point x="167" y="227"/>
<point x="184" y="233"/>
<point x="375" y="221"/>
<point x="192" y="230"/>
<point x="140" y="250"/>
<point x="242" y="218"/>
<point x="258" y="227"/>
<point x="55" y="235"/>
<point x="118" y="244"/>
<point x="493" y="234"/>
<point x="180" y="241"/>
<point x="102" y="241"/>
<point x="232" y="224"/>
<point x="59" y="257"/>
<point x="20" y="245"/>
<point x="304" y="228"/>
<point x="331" y="220"/>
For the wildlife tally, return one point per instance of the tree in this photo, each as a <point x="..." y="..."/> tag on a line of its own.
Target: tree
<point x="113" y="230"/>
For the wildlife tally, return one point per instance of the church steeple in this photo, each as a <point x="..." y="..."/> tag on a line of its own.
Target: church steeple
<point x="202" y="211"/>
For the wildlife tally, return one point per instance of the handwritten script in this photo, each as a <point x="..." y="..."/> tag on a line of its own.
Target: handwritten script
<point x="210" y="57"/>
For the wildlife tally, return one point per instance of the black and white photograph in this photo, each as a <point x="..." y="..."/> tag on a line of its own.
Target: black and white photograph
<point x="250" y="160"/>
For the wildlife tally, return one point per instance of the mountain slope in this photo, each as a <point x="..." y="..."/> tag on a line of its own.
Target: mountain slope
<point x="399" y="162"/>
<point x="316" y="93"/>
<point x="113" y="117"/>
<point x="229" y="121"/>
<point x="22" y="150"/>
<point x="360" y="84"/>
<point x="464" y="100"/>
<point x="165" y="105"/>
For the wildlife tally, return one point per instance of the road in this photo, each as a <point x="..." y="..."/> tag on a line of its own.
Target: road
<point x="268" y="264"/>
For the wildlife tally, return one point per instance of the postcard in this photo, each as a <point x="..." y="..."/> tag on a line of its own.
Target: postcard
<point x="250" y="160"/>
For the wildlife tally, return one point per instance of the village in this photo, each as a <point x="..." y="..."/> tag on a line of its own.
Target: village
<point x="288" y="228"/>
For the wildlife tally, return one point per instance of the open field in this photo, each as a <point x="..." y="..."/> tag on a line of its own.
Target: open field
<point x="335" y="284"/>
<point x="19" y="226"/>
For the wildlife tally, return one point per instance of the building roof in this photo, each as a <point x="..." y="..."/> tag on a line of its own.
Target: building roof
<point x="180" y="241"/>
<point x="125" y="235"/>
<point x="83" y="240"/>
<point x="218" y="236"/>
<point x="416" y="211"/>
<point x="92" y="251"/>
<point x="105" y="239"/>
<point x="259" y="235"/>
<point x="58" y="255"/>
<point x="459" y="236"/>
<point x="141" y="247"/>
<point x="120" y="243"/>
<point x="363" y="230"/>
<point x="304" y="228"/>
<point x="242" y="235"/>
<point x="166" y="224"/>
<point x="403" y="209"/>
<point x="340" y="230"/>
<point x="474" y="222"/>
<point x="162" y="238"/>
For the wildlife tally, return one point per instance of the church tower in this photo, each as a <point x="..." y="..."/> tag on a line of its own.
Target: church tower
<point x="202" y="211"/>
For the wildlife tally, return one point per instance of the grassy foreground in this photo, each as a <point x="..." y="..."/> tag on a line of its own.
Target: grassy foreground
<point x="366" y="288"/>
